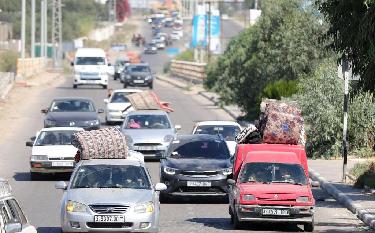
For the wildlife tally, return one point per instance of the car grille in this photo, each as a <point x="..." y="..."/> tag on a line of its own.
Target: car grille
<point x="109" y="225"/>
<point x="61" y="158"/>
<point x="109" y="209"/>
<point x="147" y="144"/>
<point x="89" y="76"/>
<point x="199" y="173"/>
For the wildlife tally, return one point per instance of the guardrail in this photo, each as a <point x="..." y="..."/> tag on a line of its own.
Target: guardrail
<point x="190" y="70"/>
<point x="30" y="66"/>
<point x="6" y="80"/>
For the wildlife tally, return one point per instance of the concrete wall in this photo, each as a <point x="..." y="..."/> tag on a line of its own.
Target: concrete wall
<point x="6" y="31"/>
<point x="6" y="80"/>
<point x="103" y="33"/>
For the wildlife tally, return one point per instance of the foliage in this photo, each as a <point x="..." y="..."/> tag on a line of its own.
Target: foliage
<point x="364" y="174"/>
<point x="187" y="55"/>
<point x="280" y="88"/>
<point x="282" y="46"/>
<point x="320" y="97"/>
<point x="352" y="32"/>
<point x="8" y="61"/>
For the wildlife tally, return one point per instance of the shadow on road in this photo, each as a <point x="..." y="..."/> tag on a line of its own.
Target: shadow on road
<point x="49" y="230"/>
<point x="25" y="176"/>
<point x="197" y="200"/>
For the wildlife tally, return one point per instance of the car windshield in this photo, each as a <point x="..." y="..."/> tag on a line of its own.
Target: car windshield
<point x="204" y="149"/>
<point x="72" y="106"/>
<point x="120" y="97"/>
<point x="147" y="122"/>
<point x="273" y="173"/>
<point x="111" y="176"/>
<point x="90" y="61"/>
<point x="229" y="132"/>
<point x="139" y="69"/>
<point x="47" y="138"/>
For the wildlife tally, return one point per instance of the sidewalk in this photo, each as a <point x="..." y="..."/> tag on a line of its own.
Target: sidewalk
<point x="327" y="172"/>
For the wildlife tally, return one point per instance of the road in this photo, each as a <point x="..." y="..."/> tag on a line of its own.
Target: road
<point x="41" y="201"/>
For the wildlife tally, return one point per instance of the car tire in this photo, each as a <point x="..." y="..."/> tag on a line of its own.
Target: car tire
<point x="115" y="76"/>
<point x="125" y="85"/>
<point x="75" y="86"/>
<point x="151" y="86"/>
<point x="105" y="86"/>
<point x="237" y="224"/>
<point x="308" y="227"/>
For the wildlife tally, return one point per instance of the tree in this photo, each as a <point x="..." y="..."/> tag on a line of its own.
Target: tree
<point x="351" y="33"/>
<point x="282" y="45"/>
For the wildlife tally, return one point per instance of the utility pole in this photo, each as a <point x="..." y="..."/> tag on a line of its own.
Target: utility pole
<point x="42" y="28"/>
<point x="23" y="29"/>
<point x="32" y="28"/>
<point x="209" y="33"/>
<point x="345" y="69"/>
<point x="56" y="32"/>
<point x="45" y="28"/>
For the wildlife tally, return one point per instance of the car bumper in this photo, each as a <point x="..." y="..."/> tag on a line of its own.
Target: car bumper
<point x="50" y="167"/>
<point x="131" y="82"/>
<point x="86" y="223"/>
<point x="115" y="116"/>
<point x="177" y="185"/>
<point x="299" y="215"/>
<point x="100" y="80"/>
<point x="153" y="152"/>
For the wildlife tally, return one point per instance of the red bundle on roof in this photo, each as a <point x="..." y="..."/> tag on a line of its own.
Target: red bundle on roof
<point x="148" y="100"/>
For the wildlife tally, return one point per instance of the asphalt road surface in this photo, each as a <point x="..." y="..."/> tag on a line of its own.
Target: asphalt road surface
<point x="41" y="201"/>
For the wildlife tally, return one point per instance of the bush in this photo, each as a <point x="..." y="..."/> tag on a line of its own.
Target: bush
<point x="167" y="68"/>
<point x="280" y="88"/>
<point x="187" y="55"/>
<point x="8" y="61"/>
<point x="364" y="174"/>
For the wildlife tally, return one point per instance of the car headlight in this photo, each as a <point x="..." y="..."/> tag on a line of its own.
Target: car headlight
<point x="92" y="123"/>
<point x="168" y="138"/>
<point x="170" y="171"/>
<point x="144" y="208"/>
<point x="49" y="122"/>
<point x="38" y="157"/>
<point x="73" y="206"/>
<point x="227" y="171"/>
<point x="303" y="199"/>
<point x="248" y="197"/>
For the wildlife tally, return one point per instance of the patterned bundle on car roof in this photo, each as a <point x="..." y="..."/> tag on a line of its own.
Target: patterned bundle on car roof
<point x="107" y="143"/>
<point x="148" y="100"/>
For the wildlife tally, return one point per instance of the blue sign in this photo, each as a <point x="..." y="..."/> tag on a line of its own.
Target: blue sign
<point x="173" y="51"/>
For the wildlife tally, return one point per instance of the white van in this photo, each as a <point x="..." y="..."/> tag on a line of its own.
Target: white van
<point x="90" y="67"/>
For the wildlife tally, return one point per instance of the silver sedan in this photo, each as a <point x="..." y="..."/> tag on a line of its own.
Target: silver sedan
<point x="110" y="195"/>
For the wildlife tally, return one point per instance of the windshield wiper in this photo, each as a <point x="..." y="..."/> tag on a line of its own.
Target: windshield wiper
<point x="287" y="182"/>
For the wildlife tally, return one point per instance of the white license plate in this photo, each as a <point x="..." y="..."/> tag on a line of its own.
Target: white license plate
<point x="198" y="184"/>
<point x="145" y="148"/>
<point x="138" y="81"/>
<point x="109" y="218"/>
<point x="62" y="164"/>
<point x="278" y="212"/>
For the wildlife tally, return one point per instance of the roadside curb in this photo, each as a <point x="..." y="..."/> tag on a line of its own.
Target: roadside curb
<point x="355" y="208"/>
<point x="170" y="82"/>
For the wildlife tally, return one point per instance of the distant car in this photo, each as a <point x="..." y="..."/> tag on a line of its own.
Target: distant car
<point x="162" y="36"/>
<point x="150" y="48"/>
<point x="155" y="31"/>
<point x="139" y="75"/>
<point x="168" y="24"/>
<point x="228" y="129"/>
<point x="72" y="112"/>
<point x="116" y="104"/>
<point x="110" y="195"/>
<point x="197" y="165"/>
<point x="52" y="151"/>
<point x="150" y="131"/>
<point x="12" y="218"/>
<point x="119" y="66"/>
<point x="161" y="44"/>
<point x="180" y="33"/>
<point x="175" y="35"/>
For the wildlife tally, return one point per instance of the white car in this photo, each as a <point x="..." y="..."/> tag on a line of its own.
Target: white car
<point x="180" y="33"/>
<point x="228" y="129"/>
<point x="116" y="104"/>
<point x="52" y="151"/>
<point x="175" y="35"/>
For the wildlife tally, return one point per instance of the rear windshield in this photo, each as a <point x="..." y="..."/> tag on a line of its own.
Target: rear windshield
<point x="203" y="149"/>
<point x="72" y="106"/>
<point x="273" y="173"/>
<point x="228" y="132"/>
<point x="120" y="97"/>
<point x="90" y="61"/>
<point x="139" y="69"/>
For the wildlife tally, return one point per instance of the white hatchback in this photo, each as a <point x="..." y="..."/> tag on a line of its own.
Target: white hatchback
<point x="52" y="151"/>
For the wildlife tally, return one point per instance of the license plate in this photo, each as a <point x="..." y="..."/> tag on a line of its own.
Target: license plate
<point x="139" y="81"/>
<point x="145" y="148"/>
<point x="198" y="184"/>
<point x="109" y="218"/>
<point x="278" y="212"/>
<point x="62" y="164"/>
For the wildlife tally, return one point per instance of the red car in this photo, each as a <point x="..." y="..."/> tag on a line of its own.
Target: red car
<point x="271" y="184"/>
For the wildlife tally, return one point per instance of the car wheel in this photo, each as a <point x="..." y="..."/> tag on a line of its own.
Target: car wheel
<point x="151" y="85"/>
<point x="105" y="86"/>
<point x="75" y="86"/>
<point x="308" y="227"/>
<point x="236" y="223"/>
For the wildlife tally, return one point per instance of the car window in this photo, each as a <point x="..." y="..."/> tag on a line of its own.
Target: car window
<point x="205" y="149"/>
<point x="120" y="97"/>
<point x="139" y="69"/>
<point x="90" y="61"/>
<point x="111" y="176"/>
<point x="64" y="137"/>
<point x="272" y="173"/>
<point x="229" y="132"/>
<point x="147" y="122"/>
<point x="72" y="106"/>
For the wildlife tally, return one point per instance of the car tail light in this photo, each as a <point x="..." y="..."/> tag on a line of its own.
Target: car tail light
<point x="37" y="165"/>
<point x="77" y="157"/>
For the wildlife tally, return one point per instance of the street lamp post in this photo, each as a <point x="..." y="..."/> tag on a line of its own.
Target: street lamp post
<point x="23" y="28"/>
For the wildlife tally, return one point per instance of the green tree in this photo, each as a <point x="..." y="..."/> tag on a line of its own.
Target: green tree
<point x="351" y="33"/>
<point x="282" y="45"/>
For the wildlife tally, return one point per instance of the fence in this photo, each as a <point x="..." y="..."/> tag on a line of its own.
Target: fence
<point x="190" y="70"/>
<point x="30" y="66"/>
<point x="6" y="79"/>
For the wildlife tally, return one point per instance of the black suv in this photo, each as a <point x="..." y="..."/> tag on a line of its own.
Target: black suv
<point x="138" y="75"/>
<point x="196" y="165"/>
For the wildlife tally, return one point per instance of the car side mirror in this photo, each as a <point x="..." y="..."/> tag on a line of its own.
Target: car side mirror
<point x="33" y="138"/>
<point x="72" y="63"/>
<point x="100" y="110"/>
<point x="61" y="185"/>
<point x="30" y="144"/>
<point x="160" y="187"/>
<point x="177" y="127"/>
<point x="314" y="184"/>
<point x="231" y="181"/>
<point x="106" y="101"/>
<point x="13" y="227"/>
<point x="45" y="111"/>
